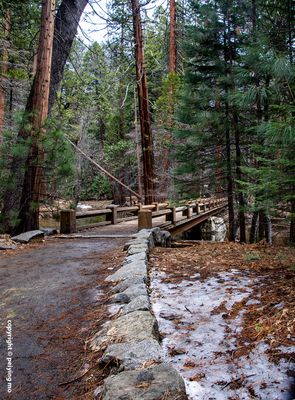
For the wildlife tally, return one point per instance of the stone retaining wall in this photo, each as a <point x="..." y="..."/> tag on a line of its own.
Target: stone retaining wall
<point x="131" y="341"/>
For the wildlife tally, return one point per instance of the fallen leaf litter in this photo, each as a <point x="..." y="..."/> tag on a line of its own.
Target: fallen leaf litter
<point x="226" y="316"/>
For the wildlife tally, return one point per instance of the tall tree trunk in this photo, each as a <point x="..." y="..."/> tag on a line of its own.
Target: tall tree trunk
<point x="144" y="113"/>
<point x="231" y="214"/>
<point x="65" y="29"/>
<point x="172" y="36"/>
<point x="230" y="196"/>
<point x="268" y="229"/>
<point x="138" y="152"/>
<point x="261" y="225"/>
<point x="236" y="128"/>
<point x="290" y="30"/>
<point x="3" y="71"/>
<point x="242" y="222"/>
<point x="34" y="175"/>
<point x="253" y="229"/>
<point x="292" y="224"/>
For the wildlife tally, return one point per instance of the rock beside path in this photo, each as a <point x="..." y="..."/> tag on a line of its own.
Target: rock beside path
<point x="130" y="356"/>
<point x="6" y="243"/>
<point x="4" y="246"/>
<point x="133" y="327"/>
<point x="29" y="236"/>
<point x="155" y="383"/>
<point x="49" y="231"/>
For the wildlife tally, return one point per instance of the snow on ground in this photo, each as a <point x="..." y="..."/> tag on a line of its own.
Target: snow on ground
<point x="199" y="338"/>
<point x="81" y="206"/>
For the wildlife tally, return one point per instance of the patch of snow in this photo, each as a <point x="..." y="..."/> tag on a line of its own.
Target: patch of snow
<point x="199" y="339"/>
<point x="252" y="302"/>
<point x="83" y="206"/>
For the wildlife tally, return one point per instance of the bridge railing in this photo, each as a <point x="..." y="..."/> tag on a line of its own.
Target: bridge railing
<point x="189" y="210"/>
<point x="114" y="214"/>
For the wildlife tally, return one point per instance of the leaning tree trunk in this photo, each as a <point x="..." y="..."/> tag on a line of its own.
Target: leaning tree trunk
<point x="144" y="113"/>
<point x="65" y="29"/>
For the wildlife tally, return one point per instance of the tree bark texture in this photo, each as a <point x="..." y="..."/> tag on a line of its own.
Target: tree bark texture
<point x="242" y="222"/>
<point x="172" y="36"/>
<point x="261" y="225"/>
<point x="292" y="224"/>
<point x="65" y="28"/>
<point x="253" y="229"/>
<point x="33" y="179"/>
<point x="230" y="196"/>
<point x="3" y="71"/>
<point x="144" y="113"/>
<point x="138" y="149"/>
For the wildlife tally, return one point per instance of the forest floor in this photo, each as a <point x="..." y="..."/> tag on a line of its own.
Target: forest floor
<point x="226" y="316"/>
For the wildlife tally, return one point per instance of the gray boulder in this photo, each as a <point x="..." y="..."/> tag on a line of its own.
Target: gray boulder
<point x="162" y="238"/>
<point x="7" y="246"/>
<point x="133" y="327"/>
<point x="139" y="303"/>
<point x="49" y="231"/>
<point x="136" y="242"/>
<point x="120" y="298"/>
<point x="29" y="236"/>
<point x="135" y="291"/>
<point x="130" y="356"/>
<point x="155" y="383"/>
<point x="138" y="248"/>
<point x="137" y="257"/>
<point x="130" y="270"/>
<point x="123" y="285"/>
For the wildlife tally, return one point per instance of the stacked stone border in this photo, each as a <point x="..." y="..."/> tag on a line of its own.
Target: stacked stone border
<point x="131" y="341"/>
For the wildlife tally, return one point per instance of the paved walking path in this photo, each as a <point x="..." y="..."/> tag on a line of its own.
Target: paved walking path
<point x="45" y="290"/>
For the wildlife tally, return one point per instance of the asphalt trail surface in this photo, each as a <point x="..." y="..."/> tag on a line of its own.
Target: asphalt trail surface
<point x="45" y="291"/>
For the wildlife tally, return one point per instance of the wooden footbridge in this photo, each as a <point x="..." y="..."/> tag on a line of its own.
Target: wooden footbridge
<point x="174" y="219"/>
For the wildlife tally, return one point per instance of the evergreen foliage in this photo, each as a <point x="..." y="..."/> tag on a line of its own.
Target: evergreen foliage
<point x="227" y="115"/>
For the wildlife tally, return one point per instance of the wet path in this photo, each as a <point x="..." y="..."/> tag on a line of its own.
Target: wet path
<point x="46" y="291"/>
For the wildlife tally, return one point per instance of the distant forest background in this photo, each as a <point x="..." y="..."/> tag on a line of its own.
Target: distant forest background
<point x="219" y="111"/>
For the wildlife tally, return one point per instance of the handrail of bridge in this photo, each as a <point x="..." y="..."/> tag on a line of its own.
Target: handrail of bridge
<point x="189" y="210"/>
<point x="112" y="213"/>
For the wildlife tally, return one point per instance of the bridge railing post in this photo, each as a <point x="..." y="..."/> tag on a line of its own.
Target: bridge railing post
<point x="145" y="219"/>
<point x="67" y="221"/>
<point x="157" y="206"/>
<point x="113" y="217"/>
<point x="172" y="215"/>
<point x="189" y="211"/>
